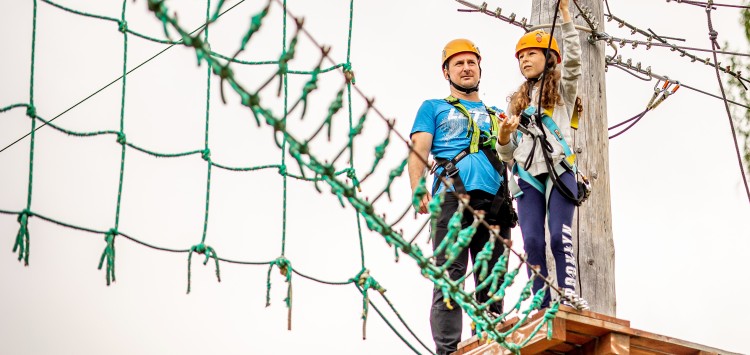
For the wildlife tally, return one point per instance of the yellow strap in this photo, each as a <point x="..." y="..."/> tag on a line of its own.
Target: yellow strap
<point x="571" y="159"/>
<point x="577" y="109"/>
<point x="472" y="127"/>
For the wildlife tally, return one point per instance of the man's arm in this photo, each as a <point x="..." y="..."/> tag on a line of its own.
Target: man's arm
<point x="421" y="143"/>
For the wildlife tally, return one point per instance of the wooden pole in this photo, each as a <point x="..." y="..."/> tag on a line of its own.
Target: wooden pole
<point x="592" y="225"/>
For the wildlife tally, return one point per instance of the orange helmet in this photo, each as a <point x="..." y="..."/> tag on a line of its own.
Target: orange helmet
<point x="538" y="39"/>
<point x="459" y="45"/>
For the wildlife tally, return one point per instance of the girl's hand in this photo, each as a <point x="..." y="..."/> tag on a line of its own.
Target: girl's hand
<point x="564" y="5"/>
<point x="507" y="127"/>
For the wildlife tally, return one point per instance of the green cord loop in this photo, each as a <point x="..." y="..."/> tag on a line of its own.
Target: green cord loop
<point x="335" y="106"/>
<point x="285" y="268"/>
<point x="109" y="255"/>
<point x="122" y="26"/>
<point x="366" y="282"/>
<point x="310" y="85"/>
<point x="22" y="238"/>
<point x="392" y="176"/>
<point x="209" y="252"/>
<point x="549" y="315"/>
<point x="206" y="154"/>
<point x="380" y="153"/>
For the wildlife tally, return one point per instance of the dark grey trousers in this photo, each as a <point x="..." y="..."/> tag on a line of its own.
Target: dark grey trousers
<point x="445" y="323"/>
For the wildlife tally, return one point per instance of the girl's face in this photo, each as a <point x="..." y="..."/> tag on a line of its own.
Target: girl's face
<point x="531" y="62"/>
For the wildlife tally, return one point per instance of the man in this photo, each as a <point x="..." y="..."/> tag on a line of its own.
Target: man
<point x="460" y="132"/>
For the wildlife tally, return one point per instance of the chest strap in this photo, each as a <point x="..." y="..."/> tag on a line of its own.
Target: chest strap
<point x="566" y="164"/>
<point x="472" y="129"/>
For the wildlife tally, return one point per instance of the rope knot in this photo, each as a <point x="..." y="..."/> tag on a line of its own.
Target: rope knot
<point x="121" y="138"/>
<point x="31" y="111"/>
<point x="284" y="266"/>
<point x="366" y="281"/>
<point x="24" y="215"/>
<point x="348" y="73"/>
<point x="200" y="248"/>
<point x="225" y="72"/>
<point x="206" y="154"/>
<point x="122" y="26"/>
<point x="713" y="35"/>
<point x="282" y="170"/>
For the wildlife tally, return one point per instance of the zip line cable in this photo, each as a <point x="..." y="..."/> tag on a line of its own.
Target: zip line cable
<point x="712" y="4"/>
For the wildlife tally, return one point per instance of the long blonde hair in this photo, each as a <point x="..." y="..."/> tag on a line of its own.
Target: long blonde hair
<point x="551" y="95"/>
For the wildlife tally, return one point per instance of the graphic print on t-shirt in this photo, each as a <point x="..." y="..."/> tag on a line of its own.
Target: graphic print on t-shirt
<point x="456" y="123"/>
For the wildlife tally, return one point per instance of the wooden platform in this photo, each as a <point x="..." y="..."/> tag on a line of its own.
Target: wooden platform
<point x="584" y="332"/>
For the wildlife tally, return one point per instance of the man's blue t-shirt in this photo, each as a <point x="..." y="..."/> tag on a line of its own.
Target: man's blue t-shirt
<point x="449" y="129"/>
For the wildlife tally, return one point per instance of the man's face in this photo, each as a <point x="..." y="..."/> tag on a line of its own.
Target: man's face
<point x="463" y="69"/>
<point x="531" y="62"/>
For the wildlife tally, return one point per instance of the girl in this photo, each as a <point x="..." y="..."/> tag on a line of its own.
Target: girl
<point x="547" y="185"/>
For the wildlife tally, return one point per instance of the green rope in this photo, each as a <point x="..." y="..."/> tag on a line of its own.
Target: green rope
<point x="121" y="133"/>
<point x="255" y="24"/>
<point x="22" y="237"/>
<point x="285" y="268"/>
<point x="209" y="252"/>
<point x="392" y="176"/>
<point x="310" y="85"/>
<point x="380" y="153"/>
<point x="283" y="143"/>
<point x="109" y="255"/>
<point x="206" y="154"/>
<point x="335" y="106"/>
<point x="366" y="282"/>
<point x="23" y="240"/>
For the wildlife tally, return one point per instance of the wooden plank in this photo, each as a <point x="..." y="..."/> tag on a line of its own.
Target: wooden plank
<point x="488" y="349"/>
<point x="565" y="311"/>
<point x="586" y="333"/>
<point x="539" y="342"/>
<point x="671" y="345"/>
<point x="474" y="342"/>
<point x="536" y="345"/>
<point x="613" y="344"/>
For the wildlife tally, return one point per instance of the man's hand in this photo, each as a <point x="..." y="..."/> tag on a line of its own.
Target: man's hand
<point x="424" y="203"/>
<point x="421" y="143"/>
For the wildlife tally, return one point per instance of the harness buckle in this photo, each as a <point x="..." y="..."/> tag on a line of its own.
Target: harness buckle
<point x="450" y="169"/>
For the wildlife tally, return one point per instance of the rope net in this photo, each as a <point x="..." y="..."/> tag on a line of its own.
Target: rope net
<point x="289" y="123"/>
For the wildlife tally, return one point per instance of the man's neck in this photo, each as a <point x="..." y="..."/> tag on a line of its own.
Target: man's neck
<point x="474" y="96"/>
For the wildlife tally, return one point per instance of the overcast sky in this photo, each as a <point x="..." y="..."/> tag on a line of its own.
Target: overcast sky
<point x="679" y="207"/>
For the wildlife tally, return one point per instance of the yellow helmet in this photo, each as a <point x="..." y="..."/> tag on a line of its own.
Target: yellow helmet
<point x="459" y="45"/>
<point x="538" y="39"/>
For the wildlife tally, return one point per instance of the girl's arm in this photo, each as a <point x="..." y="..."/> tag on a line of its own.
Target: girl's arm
<point x="571" y="70"/>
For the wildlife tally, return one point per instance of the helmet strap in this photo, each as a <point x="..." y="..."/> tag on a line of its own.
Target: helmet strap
<point x="462" y="89"/>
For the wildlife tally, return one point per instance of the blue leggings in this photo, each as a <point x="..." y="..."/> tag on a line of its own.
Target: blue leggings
<point x="532" y="210"/>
